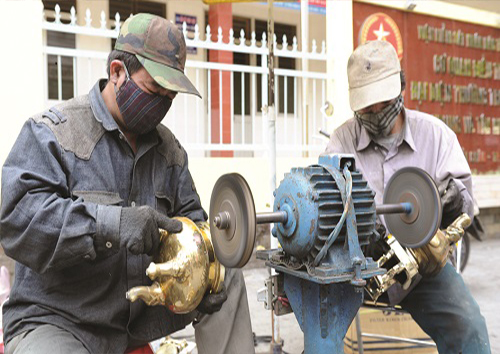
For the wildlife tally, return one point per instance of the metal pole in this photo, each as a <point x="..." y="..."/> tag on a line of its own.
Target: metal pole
<point x="304" y="30"/>
<point x="275" y="347"/>
<point x="359" y="335"/>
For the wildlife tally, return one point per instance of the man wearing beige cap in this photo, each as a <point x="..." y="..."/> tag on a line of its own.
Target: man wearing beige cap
<point x="85" y="189"/>
<point x="384" y="136"/>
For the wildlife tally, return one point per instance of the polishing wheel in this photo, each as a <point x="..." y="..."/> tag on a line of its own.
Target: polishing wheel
<point x="232" y="220"/>
<point x="416" y="228"/>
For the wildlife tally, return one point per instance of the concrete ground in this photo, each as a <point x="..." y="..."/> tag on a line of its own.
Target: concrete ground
<point x="481" y="275"/>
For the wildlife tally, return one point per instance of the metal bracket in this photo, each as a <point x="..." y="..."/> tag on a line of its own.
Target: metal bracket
<point x="265" y="294"/>
<point x="273" y="295"/>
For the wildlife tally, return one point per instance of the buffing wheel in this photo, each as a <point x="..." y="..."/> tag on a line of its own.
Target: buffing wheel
<point x="413" y="185"/>
<point x="232" y="198"/>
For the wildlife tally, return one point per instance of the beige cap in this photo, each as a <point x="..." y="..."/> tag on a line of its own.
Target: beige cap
<point x="373" y="71"/>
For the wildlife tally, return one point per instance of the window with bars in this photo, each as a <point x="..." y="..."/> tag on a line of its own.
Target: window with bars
<point x="131" y="7"/>
<point x="241" y="23"/>
<point x="60" y="40"/>
<point x="65" y="5"/>
<point x="64" y="40"/>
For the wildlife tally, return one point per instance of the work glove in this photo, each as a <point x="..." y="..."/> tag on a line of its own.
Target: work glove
<point x="375" y="248"/>
<point x="212" y="302"/>
<point x="452" y="203"/>
<point x="139" y="229"/>
<point x="381" y="230"/>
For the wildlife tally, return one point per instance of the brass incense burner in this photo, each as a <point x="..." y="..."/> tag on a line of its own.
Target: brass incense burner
<point x="427" y="260"/>
<point x="183" y="270"/>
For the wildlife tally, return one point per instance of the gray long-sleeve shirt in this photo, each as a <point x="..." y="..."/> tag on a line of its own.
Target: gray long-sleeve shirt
<point x="63" y="186"/>
<point x="425" y="142"/>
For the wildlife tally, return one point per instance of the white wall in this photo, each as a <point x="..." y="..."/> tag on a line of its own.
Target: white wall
<point x="338" y="86"/>
<point x="21" y="92"/>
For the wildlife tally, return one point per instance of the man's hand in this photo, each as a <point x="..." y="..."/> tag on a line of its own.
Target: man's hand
<point x="452" y="203"/>
<point x="139" y="229"/>
<point x="212" y="302"/>
<point x="376" y="246"/>
<point x="381" y="230"/>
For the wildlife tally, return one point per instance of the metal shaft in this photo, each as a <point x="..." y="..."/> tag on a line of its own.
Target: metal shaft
<point x="275" y="217"/>
<point x="401" y="208"/>
<point x="223" y="220"/>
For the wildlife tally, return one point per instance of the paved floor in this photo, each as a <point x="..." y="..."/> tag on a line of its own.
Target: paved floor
<point x="481" y="275"/>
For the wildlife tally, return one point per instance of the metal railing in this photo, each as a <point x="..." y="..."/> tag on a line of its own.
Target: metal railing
<point x="193" y="120"/>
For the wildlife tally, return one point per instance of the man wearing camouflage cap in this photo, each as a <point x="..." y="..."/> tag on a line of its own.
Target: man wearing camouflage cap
<point x="85" y="189"/>
<point x="384" y="137"/>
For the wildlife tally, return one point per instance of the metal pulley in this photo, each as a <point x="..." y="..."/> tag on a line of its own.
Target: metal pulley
<point x="411" y="202"/>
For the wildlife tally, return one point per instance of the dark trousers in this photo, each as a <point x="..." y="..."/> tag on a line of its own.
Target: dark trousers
<point x="445" y="309"/>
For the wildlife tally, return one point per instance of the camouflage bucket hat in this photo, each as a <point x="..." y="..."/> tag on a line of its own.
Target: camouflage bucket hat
<point x="160" y="47"/>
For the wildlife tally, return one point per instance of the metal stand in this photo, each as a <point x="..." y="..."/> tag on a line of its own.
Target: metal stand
<point x="323" y="311"/>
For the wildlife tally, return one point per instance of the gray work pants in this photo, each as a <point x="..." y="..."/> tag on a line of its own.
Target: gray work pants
<point x="228" y="331"/>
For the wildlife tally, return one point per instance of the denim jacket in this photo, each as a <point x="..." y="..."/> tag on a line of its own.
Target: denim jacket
<point x="63" y="186"/>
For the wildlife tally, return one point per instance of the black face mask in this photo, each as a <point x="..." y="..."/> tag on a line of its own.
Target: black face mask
<point x="141" y="111"/>
<point x="381" y="123"/>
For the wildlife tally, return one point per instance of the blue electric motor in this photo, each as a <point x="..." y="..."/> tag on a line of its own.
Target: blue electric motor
<point x="313" y="201"/>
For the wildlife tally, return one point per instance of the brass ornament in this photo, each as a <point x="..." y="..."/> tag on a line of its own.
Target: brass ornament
<point x="427" y="260"/>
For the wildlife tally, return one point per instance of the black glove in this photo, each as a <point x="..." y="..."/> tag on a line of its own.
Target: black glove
<point x="212" y="302"/>
<point x="381" y="230"/>
<point x="452" y="203"/>
<point x="376" y="246"/>
<point x="139" y="229"/>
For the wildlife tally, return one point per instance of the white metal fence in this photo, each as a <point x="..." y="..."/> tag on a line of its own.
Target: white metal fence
<point x="191" y="119"/>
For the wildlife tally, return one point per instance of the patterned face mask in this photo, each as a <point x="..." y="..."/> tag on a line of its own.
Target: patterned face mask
<point x="141" y="111"/>
<point x="381" y="123"/>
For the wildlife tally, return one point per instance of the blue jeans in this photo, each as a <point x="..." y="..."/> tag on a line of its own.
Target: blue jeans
<point x="445" y="309"/>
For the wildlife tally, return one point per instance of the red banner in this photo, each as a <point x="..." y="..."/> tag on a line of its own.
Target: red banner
<point x="452" y="71"/>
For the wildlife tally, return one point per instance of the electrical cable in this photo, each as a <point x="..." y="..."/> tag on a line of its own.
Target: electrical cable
<point x="336" y="231"/>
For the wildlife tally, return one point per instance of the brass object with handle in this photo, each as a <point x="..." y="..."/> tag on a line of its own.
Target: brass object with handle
<point x="183" y="270"/>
